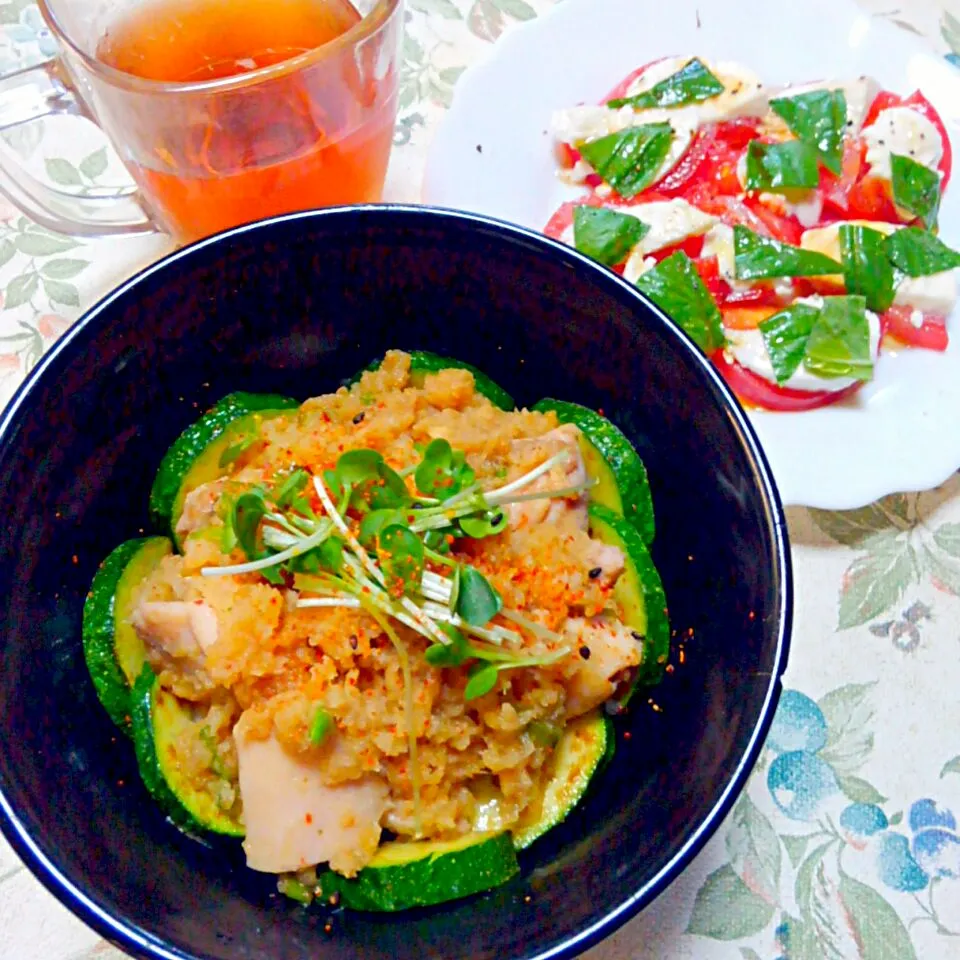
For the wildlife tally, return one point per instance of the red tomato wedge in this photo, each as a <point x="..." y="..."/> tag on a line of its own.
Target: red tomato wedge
<point x="930" y="335"/>
<point x="622" y="89"/>
<point x="753" y="389"/>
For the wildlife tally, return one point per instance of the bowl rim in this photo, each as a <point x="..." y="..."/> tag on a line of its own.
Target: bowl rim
<point x="125" y="933"/>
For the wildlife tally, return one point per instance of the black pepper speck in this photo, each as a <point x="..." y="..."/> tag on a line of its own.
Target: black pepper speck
<point x="585" y="652"/>
<point x="359" y="417"/>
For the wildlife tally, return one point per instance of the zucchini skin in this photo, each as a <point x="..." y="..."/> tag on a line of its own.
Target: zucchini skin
<point x="99" y="629"/>
<point x="432" y="879"/>
<point x="190" y="445"/>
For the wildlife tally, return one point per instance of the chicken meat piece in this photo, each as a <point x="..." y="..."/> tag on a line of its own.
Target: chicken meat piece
<point x="294" y="820"/>
<point x="177" y="635"/>
<point x="612" y="648"/>
<point x="533" y="451"/>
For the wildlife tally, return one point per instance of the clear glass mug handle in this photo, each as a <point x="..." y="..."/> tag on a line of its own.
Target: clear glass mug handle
<point x="41" y="91"/>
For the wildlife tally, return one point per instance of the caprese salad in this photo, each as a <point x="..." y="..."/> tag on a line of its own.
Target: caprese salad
<point x="791" y="232"/>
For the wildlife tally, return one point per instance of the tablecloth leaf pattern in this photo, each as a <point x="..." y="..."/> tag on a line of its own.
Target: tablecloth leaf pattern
<point x="845" y="843"/>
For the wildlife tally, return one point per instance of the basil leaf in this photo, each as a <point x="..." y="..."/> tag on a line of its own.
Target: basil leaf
<point x="760" y="258"/>
<point x="483" y="678"/>
<point x="819" y="119"/>
<point x="692" y="83"/>
<point x="866" y="267"/>
<point x="785" y="335"/>
<point x="839" y="344"/>
<point x="675" y="286"/>
<point x="915" y="188"/>
<point x="918" y="253"/>
<point x="478" y="603"/>
<point x="781" y="166"/>
<point x="629" y="160"/>
<point x="605" y="234"/>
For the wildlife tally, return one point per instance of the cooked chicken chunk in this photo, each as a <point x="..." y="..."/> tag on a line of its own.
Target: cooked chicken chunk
<point x="611" y="649"/>
<point x="293" y="820"/>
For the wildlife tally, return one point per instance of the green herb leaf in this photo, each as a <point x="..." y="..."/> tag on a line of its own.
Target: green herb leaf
<point x="287" y="491"/>
<point x="455" y="588"/>
<point x="443" y="471"/>
<point x="675" y="286"/>
<point x="916" y="188"/>
<point x="776" y="167"/>
<point x="866" y="266"/>
<point x="374" y="522"/>
<point x="629" y="160"/>
<point x="248" y="511"/>
<point x="918" y="253"/>
<point x="605" y="234"/>
<point x="839" y="344"/>
<point x="327" y="556"/>
<point x="760" y="258"/>
<point x="404" y="560"/>
<point x="483" y="678"/>
<point x="436" y="539"/>
<point x="478" y="603"/>
<point x="485" y="525"/>
<point x="692" y="83"/>
<point x="785" y="335"/>
<point x="818" y="118"/>
<point x="448" y="655"/>
<point x="387" y="490"/>
<point x="355" y="466"/>
<point x="233" y="453"/>
<point x="321" y="726"/>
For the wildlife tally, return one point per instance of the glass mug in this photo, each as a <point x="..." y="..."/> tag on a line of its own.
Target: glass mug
<point x="223" y="111"/>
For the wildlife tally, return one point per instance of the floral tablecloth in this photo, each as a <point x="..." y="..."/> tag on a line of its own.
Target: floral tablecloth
<point x="846" y="842"/>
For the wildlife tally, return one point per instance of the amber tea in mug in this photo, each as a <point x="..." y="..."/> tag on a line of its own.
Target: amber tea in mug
<point x="224" y="111"/>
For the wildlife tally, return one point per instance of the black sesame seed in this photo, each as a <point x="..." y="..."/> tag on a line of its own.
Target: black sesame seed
<point x="585" y="653"/>
<point x="637" y="636"/>
<point x="359" y="417"/>
<point x="595" y="572"/>
<point x="354" y="642"/>
<point x="497" y="519"/>
<point x="880" y="142"/>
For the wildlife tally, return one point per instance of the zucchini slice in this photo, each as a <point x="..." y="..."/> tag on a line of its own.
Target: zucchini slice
<point x="113" y="651"/>
<point x="583" y="749"/>
<point x="159" y="718"/>
<point x="638" y="593"/>
<point x="420" y="874"/>
<point x="423" y="362"/>
<point x="609" y="457"/>
<point x="195" y="456"/>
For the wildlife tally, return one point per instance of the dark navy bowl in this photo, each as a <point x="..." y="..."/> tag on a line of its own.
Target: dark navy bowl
<point x="295" y="305"/>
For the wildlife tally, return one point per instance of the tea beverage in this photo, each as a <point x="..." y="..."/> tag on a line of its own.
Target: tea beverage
<point x="308" y="137"/>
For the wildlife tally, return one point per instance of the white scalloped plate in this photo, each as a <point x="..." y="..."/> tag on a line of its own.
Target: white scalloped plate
<point x="493" y="155"/>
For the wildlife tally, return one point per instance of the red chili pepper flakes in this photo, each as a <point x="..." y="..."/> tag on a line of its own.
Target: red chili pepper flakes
<point x="308" y="818"/>
<point x="690" y="557"/>
<point x="328" y="928"/>
<point x="751" y="615"/>
<point x="626" y="734"/>
<point x="527" y="898"/>
<point x="75" y="559"/>
<point x="669" y="668"/>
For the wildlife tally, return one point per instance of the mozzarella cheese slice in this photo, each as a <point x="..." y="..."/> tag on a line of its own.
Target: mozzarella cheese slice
<point x="905" y="132"/>
<point x="934" y="294"/>
<point x="747" y="347"/>
<point x="859" y="94"/>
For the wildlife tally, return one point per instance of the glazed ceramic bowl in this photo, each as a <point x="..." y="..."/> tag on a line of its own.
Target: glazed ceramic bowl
<point x="295" y="305"/>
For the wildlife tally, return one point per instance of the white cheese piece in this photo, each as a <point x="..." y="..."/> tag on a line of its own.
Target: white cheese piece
<point x="636" y="266"/>
<point x="807" y="206"/>
<point x="576" y="174"/>
<point x="743" y="94"/>
<point x="859" y="94"/>
<point x="718" y="243"/>
<point x="934" y="294"/>
<point x="905" y="132"/>
<point x="749" y="350"/>
<point x="670" y="221"/>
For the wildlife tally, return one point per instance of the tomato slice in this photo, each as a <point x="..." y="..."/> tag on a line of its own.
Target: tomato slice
<point x="753" y="389"/>
<point x="872" y="199"/>
<point x="931" y="334"/>
<point x="692" y="247"/>
<point x="709" y="270"/>
<point x="622" y="89"/>
<point x="836" y="190"/>
<point x="746" y="318"/>
<point x="562" y="219"/>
